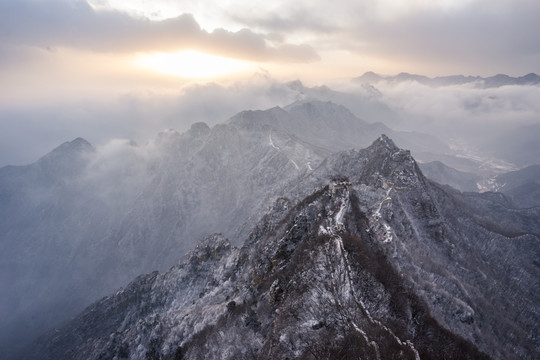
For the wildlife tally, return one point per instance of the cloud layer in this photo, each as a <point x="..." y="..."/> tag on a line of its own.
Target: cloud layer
<point x="28" y="132"/>
<point x="438" y="37"/>
<point x="65" y="64"/>
<point x="76" y="24"/>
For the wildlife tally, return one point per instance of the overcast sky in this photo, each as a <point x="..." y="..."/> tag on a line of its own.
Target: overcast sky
<point x="57" y="53"/>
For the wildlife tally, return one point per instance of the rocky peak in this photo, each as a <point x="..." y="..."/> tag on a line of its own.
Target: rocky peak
<point x="393" y="165"/>
<point x="368" y="77"/>
<point x="382" y="163"/>
<point x="80" y="144"/>
<point x="70" y="148"/>
<point x="66" y="159"/>
<point x="296" y="85"/>
<point x="259" y="119"/>
<point x="384" y="143"/>
<point x="212" y="247"/>
<point x="315" y="110"/>
<point x="199" y="129"/>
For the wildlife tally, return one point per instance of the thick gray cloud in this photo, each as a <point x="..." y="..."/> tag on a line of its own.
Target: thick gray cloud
<point x="76" y="24"/>
<point x="293" y="20"/>
<point x="476" y="37"/>
<point x="496" y="36"/>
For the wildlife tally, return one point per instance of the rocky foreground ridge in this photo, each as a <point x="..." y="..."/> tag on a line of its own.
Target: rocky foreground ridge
<point x="365" y="259"/>
<point x="82" y="221"/>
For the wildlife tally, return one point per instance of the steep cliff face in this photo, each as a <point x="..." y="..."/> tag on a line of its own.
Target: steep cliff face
<point x="375" y="262"/>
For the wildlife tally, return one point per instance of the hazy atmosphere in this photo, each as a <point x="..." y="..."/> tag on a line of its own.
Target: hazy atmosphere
<point x="128" y="69"/>
<point x="313" y="179"/>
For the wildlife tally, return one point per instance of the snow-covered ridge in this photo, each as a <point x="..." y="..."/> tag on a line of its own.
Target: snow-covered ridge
<point x="223" y="179"/>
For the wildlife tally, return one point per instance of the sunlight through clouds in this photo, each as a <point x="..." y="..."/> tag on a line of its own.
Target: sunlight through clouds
<point x="192" y="64"/>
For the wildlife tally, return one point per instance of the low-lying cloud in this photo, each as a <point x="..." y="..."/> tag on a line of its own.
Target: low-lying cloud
<point x="459" y="112"/>
<point x="28" y="132"/>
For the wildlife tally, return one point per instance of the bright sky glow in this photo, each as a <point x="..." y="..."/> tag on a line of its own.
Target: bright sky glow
<point x="192" y="65"/>
<point x="57" y="55"/>
<point x="85" y="45"/>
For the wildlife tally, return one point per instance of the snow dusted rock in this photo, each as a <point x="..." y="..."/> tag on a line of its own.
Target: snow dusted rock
<point x="80" y="222"/>
<point x="374" y="262"/>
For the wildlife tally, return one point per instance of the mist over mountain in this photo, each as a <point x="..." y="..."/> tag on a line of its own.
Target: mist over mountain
<point x="213" y="180"/>
<point x="506" y="117"/>
<point x="83" y="221"/>
<point x="443" y="174"/>
<point x="377" y="261"/>
<point x="483" y="82"/>
<point x="521" y="186"/>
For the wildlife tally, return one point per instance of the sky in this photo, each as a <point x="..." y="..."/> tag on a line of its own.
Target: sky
<point x="84" y="68"/>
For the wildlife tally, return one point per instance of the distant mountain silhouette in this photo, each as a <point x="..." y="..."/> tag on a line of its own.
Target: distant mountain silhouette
<point x="487" y="82"/>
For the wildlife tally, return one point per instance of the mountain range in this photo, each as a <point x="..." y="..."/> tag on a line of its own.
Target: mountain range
<point x="81" y="222"/>
<point x="375" y="262"/>
<point x="483" y="82"/>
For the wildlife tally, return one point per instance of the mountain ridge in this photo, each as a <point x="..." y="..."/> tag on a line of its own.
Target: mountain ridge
<point x="484" y="82"/>
<point x="376" y="261"/>
<point x="129" y="209"/>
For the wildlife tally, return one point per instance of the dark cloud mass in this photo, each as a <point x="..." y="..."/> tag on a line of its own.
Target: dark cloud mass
<point x="76" y="24"/>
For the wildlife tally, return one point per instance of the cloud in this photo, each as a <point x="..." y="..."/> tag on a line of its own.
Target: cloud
<point x="476" y="121"/>
<point x="438" y="38"/>
<point x="28" y="132"/>
<point x="442" y="37"/>
<point x="477" y="116"/>
<point x="494" y="37"/>
<point x="76" y="24"/>
<point x="246" y="44"/>
<point x="284" y="19"/>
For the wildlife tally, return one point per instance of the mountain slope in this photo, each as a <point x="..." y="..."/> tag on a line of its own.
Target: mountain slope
<point x="376" y="262"/>
<point x="521" y="186"/>
<point x="68" y="238"/>
<point x="460" y="180"/>
<point x="79" y="223"/>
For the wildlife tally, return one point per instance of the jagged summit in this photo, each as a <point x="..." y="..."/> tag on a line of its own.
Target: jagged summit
<point x="296" y="85"/>
<point x="67" y="159"/>
<point x="76" y="146"/>
<point x="327" y="125"/>
<point x="81" y="143"/>
<point x="211" y="247"/>
<point x="369" y="77"/>
<point x="380" y="163"/>
<point x="199" y="129"/>
<point x="259" y="119"/>
<point x="316" y="109"/>
<point x="384" y="142"/>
